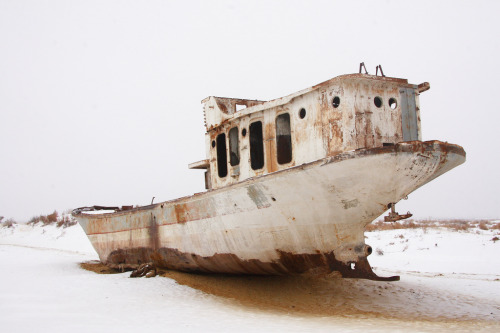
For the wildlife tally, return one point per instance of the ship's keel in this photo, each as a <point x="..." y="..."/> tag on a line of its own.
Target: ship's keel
<point x="287" y="263"/>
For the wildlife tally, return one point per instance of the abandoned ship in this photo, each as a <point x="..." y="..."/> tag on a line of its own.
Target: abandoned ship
<point x="291" y="184"/>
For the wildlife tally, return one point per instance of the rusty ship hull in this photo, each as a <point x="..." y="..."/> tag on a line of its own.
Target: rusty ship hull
<point x="291" y="184"/>
<point x="305" y="219"/>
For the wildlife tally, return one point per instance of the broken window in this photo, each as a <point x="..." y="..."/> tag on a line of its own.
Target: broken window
<point x="393" y="104"/>
<point x="256" y="146"/>
<point x="234" y="151"/>
<point x="283" y="139"/>
<point x="221" y="155"/>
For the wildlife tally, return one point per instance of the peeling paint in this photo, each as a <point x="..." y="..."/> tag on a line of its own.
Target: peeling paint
<point x="257" y="196"/>
<point x="350" y="203"/>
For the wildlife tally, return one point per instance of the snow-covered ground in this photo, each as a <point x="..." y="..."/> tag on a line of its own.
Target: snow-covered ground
<point x="450" y="280"/>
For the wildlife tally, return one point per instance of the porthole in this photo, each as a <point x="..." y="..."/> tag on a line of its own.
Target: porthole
<point x="378" y="101"/>
<point x="336" y="102"/>
<point x="213" y="143"/>
<point x="302" y="113"/>
<point x="244" y="132"/>
<point x="393" y="103"/>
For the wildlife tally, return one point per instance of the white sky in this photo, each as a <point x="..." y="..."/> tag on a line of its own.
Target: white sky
<point x="100" y="100"/>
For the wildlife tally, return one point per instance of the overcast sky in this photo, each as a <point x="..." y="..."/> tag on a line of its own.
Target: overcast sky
<point x="100" y="100"/>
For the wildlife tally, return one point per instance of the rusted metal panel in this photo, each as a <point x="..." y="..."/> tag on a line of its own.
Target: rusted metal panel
<point x="409" y="114"/>
<point x="271" y="162"/>
<point x="219" y="110"/>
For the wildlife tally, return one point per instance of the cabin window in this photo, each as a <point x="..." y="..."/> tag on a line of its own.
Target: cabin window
<point x="378" y="101"/>
<point x="256" y="146"/>
<point x="302" y="113"/>
<point x="234" y="150"/>
<point x="283" y="139"/>
<point x="221" y="155"/>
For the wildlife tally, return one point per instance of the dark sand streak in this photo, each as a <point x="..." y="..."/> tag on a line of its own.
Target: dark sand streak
<point x="328" y="296"/>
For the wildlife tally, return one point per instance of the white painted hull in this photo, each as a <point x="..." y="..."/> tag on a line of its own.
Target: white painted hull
<point x="309" y="218"/>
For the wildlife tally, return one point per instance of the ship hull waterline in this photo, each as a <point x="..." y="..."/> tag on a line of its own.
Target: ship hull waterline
<point x="306" y="219"/>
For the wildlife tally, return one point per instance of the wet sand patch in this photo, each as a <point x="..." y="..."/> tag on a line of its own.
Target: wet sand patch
<point x="98" y="267"/>
<point x="332" y="296"/>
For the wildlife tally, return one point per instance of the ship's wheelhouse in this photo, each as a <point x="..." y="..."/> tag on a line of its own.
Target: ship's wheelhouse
<point x="249" y="138"/>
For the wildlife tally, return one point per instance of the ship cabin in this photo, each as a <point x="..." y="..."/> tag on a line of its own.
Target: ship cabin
<point x="250" y="138"/>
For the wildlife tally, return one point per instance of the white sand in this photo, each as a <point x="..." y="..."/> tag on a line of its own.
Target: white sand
<point x="449" y="281"/>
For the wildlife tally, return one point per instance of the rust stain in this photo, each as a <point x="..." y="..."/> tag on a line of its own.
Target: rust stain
<point x="287" y="263"/>
<point x="193" y="211"/>
<point x="181" y="213"/>
<point x="270" y="147"/>
<point x="228" y="105"/>
<point x="331" y="123"/>
<point x="364" y="129"/>
<point x="154" y="237"/>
